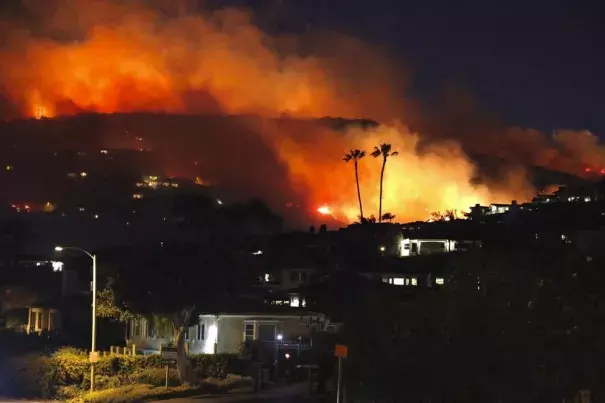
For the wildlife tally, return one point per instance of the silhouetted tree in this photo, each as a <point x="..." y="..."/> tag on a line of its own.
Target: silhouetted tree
<point x="388" y="217"/>
<point x="355" y="156"/>
<point x="385" y="152"/>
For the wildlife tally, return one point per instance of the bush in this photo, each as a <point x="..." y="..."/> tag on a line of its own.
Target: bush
<point x="66" y="373"/>
<point x="214" y="365"/>
<point x="156" y="377"/>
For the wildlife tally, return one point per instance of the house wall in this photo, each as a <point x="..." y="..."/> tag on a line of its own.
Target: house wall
<point x="50" y="320"/>
<point x="230" y="334"/>
<point x="224" y="334"/>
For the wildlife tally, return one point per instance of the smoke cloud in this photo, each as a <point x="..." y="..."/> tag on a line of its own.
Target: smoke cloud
<point x="173" y="57"/>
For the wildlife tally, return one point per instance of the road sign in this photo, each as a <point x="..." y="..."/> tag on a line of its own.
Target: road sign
<point x="341" y="351"/>
<point x="94" y="357"/>
<point x="169" y="355"/>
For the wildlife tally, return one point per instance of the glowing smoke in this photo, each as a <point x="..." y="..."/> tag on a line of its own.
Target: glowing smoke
<point x="123" y="56"/>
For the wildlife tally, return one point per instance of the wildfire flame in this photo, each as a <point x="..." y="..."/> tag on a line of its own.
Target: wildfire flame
<point x="324" y="210"/>
<point x="133" y="58"/>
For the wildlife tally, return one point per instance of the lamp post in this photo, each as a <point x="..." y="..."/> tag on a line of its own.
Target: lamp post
<point x="94" y="310"/>
<point x="278" y="338"/>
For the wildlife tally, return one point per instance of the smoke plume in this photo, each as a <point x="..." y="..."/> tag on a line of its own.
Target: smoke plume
<point x="112" y="56"/>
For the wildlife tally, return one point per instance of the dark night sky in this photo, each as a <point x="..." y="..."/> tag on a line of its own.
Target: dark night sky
<point x="532" y="63"/>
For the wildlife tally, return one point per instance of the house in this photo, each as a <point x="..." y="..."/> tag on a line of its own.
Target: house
<point x="413" y="247"/>
<point x="228" y="331"/>
<point x="419" y="271"/>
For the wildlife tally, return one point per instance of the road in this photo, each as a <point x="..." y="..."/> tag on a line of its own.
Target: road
<point x="298" y="393"/>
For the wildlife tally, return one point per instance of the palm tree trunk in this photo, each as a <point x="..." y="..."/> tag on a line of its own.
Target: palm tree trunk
<point x="384" y="162"/>
<point x="358" y="192"/>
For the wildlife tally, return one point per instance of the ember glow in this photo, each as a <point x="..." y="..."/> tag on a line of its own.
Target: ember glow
<point x="324" y="210"/>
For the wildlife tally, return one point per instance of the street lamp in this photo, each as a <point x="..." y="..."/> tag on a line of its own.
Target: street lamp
<point x="94" y="309"/>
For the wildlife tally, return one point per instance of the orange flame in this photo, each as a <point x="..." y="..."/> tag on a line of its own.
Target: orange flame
<point x="324" y="210"/>
<point x="134" y="59"/>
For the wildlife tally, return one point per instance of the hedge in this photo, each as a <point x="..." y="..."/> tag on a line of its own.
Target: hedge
<point x="68" y="368"/>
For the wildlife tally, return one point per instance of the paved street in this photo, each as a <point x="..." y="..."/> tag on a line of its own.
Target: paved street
<point x="288" y="394"/>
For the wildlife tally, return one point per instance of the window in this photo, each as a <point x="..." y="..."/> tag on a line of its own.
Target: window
<point x="266" y="332"/>
<point x="439" y="281"/>
<point x="397" y="281"/>
<point x="414" y="281"/>
<point x="32" y="321"/>
<point x="294" y="301"/>
<point x="201" y="331"/>
<point x="248" y="331"/>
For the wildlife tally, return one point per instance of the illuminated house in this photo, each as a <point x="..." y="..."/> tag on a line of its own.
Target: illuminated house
<point x="413" y="247"/>
<point x="430" y="270"/>
<point x="227" y="332"/>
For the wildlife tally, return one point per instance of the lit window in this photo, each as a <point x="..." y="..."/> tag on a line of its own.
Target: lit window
<point x="137" y="196"/>
<point x="267" y="277"/>
<point x="249" y="331"/>
<point x="414" y="281"/>
<point x="103" y="151"/>
<point x="398" y="281"/>
<point x="9" y="167"/>
<point x="439" y="281"/>
<point x="83" y="174"/>
<point x="294" y="301"/>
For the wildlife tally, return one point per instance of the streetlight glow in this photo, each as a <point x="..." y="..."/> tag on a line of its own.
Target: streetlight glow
<point x="93" y="350"/>
<point x="280" y="337"/>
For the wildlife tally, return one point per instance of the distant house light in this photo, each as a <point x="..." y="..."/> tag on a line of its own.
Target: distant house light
<point x="57" y="266"/>
<point x="258" y="252"/>
<point x="9" y="168"/>
<point x="398" y="281"/>
<point x="137" y="196"/>
<point x="96" y="216"/>
<point x="439" y="281"/>
<point x="219" y="201"/>
<point x="294" y="301"/>
<point x="83" y="174"/>
<point x="382" y="248"/>
<point x="414" y="281"/>
<point x="103" y="151"/>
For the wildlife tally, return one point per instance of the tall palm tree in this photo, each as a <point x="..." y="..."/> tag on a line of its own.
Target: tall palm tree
<point x="385" y="152"/>
<point x="355" y="156"/>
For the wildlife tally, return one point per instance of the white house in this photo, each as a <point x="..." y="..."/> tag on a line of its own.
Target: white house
<point x="226" y="332"/>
